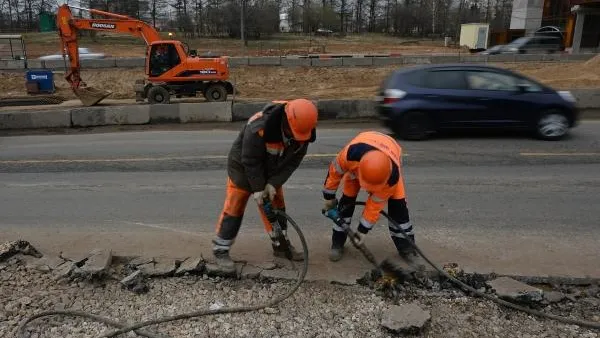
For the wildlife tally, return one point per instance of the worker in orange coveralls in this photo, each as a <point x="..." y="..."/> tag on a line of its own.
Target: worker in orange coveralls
<point x="268" y="149"/>
<point x="371" y="161"/>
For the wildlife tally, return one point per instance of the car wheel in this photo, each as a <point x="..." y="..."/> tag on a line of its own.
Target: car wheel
<point x="552" y="125"/>
<point x="415" y="126"/>
<point x="215" y="93"/>
<point x="158" y="95"/>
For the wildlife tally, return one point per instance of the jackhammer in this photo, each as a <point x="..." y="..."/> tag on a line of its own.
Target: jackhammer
<point x="279" y="237"/>
<point x="334" y="215"/>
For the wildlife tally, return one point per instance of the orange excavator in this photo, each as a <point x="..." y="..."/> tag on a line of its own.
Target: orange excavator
<point x="170" y="68"/>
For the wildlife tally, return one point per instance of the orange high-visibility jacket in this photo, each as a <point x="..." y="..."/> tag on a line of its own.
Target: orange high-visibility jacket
<point x="347" y="163"/>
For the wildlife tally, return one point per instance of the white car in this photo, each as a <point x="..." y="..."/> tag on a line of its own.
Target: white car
<point x="84" y="54"/>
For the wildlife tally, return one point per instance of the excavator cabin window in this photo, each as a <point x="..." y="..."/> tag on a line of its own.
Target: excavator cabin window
<point x="163" y="57"/>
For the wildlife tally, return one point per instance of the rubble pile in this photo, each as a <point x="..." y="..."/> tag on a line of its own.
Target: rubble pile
<point x="135" y="288"/>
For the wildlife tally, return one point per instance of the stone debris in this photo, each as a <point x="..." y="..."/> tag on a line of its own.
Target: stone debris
<point x="512" y="290"/>
<point x="554" y="296"/>
<point x="407" y="319"/>
<point x="191" y="266"/>
<point x="135" y="282"/>
<point x="10" y="249"/>
<point x="317" y="309"/>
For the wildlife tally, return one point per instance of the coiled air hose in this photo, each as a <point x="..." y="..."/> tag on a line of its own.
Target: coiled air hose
<point x="124" y="328"/>
<point x="582" y="323"/>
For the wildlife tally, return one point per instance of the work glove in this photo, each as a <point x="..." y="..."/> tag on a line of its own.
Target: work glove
<point x="270" y="191"/>
<point x="330" y="204"/>
<point x="259" y="196"/>
<point x="330" y="209"/>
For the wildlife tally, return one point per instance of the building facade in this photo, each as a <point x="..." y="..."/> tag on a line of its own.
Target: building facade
<point x="577" y="20"/>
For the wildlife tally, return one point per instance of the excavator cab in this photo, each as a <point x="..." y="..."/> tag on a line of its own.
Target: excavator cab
<point x="162" y="57"/>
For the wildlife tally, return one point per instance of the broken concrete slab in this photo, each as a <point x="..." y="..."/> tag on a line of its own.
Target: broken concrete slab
<point x="78" y="259"/>
<point x="250" y="271"/>
<point x="9" y="249"/>
<point x="407" y="319"/>
<point x="65" y="270"/>
<point x="191" y="266"/>
<point x="512" y="290"/>
<point x="214" y="270"/>
<point x="46" y="263"/>
<point x="137" y="261"/>
<point x="98" y="262"/>
<point x="135" y="282"/>
<point x="268" y="265"/>
<point x="160" y="268"/>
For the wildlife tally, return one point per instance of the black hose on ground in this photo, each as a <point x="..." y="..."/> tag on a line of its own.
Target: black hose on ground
<point x="582" y="323"/>
<point x="124" y="328"/>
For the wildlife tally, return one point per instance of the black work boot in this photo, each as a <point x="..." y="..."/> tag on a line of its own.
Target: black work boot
<point x="223" y="260"/>
<point x="279" y="251"/>
<point x="406" y="251"/>
<point x="338" y="239"/>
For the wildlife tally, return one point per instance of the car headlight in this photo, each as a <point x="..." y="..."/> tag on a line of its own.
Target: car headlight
<point x="567" y="96"/>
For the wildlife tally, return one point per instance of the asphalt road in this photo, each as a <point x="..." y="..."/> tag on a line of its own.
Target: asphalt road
<point x="505" y="204"/>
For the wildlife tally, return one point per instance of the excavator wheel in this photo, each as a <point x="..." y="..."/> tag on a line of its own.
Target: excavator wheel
<point x="158" y="95"/>
<point x="215" y="92"/>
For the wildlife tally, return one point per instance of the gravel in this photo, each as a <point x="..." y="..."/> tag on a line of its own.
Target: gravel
<point x="317" y="309"/>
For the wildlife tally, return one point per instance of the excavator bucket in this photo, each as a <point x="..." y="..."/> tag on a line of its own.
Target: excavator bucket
<point x="90" y="96"/>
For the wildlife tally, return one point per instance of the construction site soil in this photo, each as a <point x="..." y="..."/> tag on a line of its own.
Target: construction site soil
<point x="119" y="45"/>
<point x="258" y="82"/>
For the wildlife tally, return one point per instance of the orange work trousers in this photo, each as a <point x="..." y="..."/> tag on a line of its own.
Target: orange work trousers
<point x="232" y="214"/>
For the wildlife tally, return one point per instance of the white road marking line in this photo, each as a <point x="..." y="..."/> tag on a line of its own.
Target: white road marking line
<point x="158" y="226"/>
<point x="559" y="154"/>
<point x="138" y="159"/>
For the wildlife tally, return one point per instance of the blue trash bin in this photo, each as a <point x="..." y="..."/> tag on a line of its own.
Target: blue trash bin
<point x="44" y="80"/>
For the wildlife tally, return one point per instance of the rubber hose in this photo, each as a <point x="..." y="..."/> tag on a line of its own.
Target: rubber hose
<point x="122" y="328"/>
<point x="591" y="325"/>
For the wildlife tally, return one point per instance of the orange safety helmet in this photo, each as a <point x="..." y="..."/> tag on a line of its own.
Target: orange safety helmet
<point x="302" y="117"/>
<point x="374" y="170"/>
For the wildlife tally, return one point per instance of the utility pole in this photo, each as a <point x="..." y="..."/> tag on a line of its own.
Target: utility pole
<point x="242" y="24"/>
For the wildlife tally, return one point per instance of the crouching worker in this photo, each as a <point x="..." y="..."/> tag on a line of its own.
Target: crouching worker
<point x="268" y="149"/>
<point x="371" y="161"/>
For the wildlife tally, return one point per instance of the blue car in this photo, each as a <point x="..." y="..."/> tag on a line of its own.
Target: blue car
<point x="418" y="101"/>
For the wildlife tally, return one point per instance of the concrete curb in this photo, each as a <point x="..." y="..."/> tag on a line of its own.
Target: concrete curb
<point x="588" y="101"/>
<point x="317" y="60"/>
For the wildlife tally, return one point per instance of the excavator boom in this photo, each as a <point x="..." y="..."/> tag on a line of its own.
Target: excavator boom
<point x="68" y="27"/>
